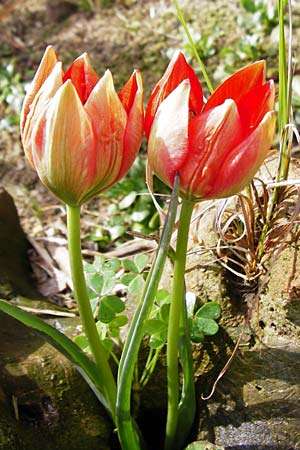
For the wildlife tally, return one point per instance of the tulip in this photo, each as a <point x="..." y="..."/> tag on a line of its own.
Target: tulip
<point x="217" y="146"/>
<point x="77" y="132"/>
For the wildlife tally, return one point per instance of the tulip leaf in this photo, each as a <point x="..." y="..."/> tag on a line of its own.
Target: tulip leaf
<point x="61" y="342"/>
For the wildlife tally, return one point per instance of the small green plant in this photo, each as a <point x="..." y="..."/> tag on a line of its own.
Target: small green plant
<point x="262" y="12"/>
<point x="11" y="95"/>
<point x="109" y="309"/>
<point x="130" y="209"/>
<point x="102" y="276"/>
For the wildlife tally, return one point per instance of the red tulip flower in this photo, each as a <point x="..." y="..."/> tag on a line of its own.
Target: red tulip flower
<point x="77" y="132"/>
<point x="217" y="146"/>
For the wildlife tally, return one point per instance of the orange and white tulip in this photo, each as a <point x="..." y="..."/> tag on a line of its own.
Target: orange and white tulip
<point x="77" y="132"/>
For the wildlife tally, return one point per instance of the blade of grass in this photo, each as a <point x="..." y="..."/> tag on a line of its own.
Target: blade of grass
<point x="284" y="113"/>
<point x="193" y="46"/>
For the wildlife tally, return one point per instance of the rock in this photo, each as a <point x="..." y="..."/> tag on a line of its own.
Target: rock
<point x="44" y="402"/>
<point x="15" y="276"/>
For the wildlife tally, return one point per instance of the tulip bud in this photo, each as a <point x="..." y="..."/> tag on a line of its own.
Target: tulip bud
<point x="215" y="147"/>
<point x="77" y="132"/>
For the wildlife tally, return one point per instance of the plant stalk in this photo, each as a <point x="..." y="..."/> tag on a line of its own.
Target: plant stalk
<point x="106" y="378"/>
<point x="176" y="311"/>
<point x="128" y="432"/>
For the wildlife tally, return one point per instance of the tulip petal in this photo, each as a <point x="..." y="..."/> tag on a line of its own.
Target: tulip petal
<point x="177" y="71"/>
<point x="83" y="76"/>
<point x="243" y="162"/>
<point x="46" y="66"/>
<point x="255" y="104"/>
<point x="128" y="92"/>
<point x="238" y="85"/>
<point x="212" y="136"/>
<point x="135" y="125"/>
<point x="39" y="106"/>
<point x="65" y="135"/>
<point x="168" y="140"/>
<point x="109" y="120"/>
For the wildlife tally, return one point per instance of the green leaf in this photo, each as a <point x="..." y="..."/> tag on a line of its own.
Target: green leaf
<point x="206" y="326"/>
<point x="112" y="264"/>
<point x="154" y="326"/>
<point x="95" y="282"/>
<point x="83" y="364"/>
<point x="118" y="322"/>
<point x="98" y="262"/>
<point x="110" y="305"/>
<point x="164" y="312"/>
<point x="163" y="296"/>
<point x="109" y="281"/>
<point x="157" y="329"/>
<point x="88" y="268"/>
<point x="249" y="5"/>
<point x="129" y="265"/>
<point x="154" y="221"/>
<point x="94" y="303"/>
<point x="158" y="340"/>
<point x="133" y="282"/>
<point x="210" y="310"/>
<point x="195" y="334"/>
<point x="141" y="261"/>
<point x="82" y="342"/>
<point x="108" y="344"/>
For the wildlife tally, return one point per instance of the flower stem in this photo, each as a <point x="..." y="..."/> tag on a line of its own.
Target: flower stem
<point x="176" y="310"/>
<point x="107" y="381"/>
<point x="128" y="432"/>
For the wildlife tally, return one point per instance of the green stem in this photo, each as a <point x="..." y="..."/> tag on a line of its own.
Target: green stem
<point x="128" y="432"/>
<point x="106" y="378"/>
<point x="150" y="366"/>
<point x="187" y="404"/>
<point x="176" y="310"/>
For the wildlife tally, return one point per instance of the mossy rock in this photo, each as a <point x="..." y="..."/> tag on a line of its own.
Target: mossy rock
<point x="44" y="402"/>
